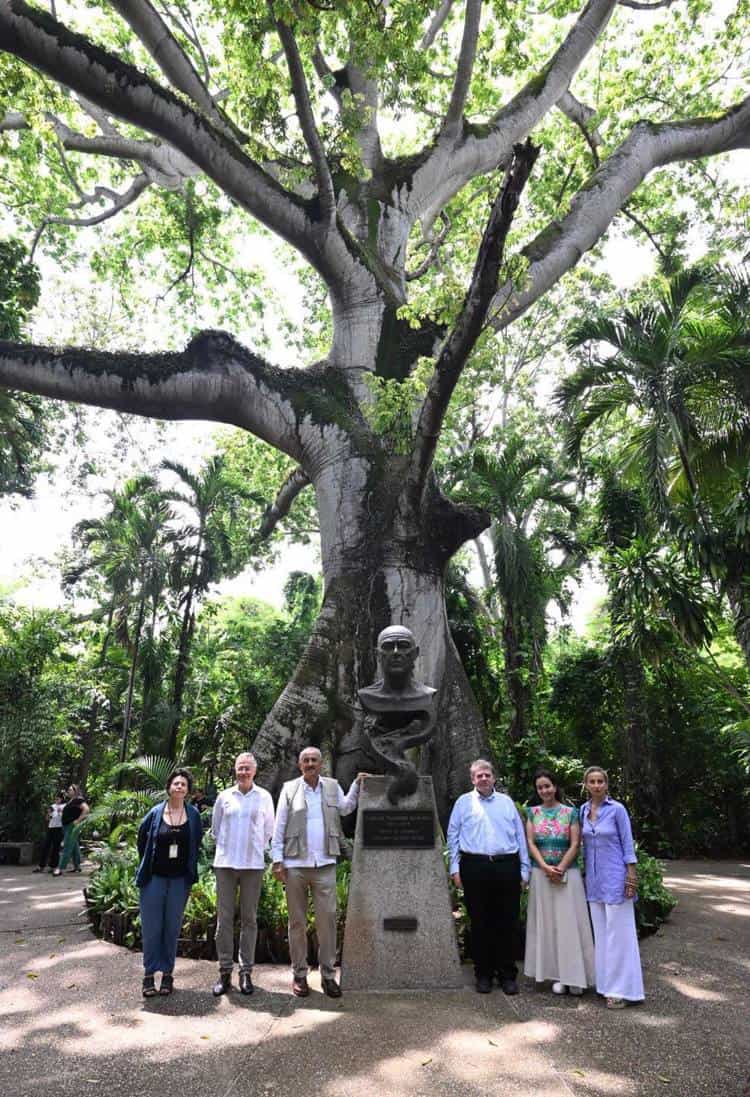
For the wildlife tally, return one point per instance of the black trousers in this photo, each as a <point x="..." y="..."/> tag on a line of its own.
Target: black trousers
<point x="492" y="890"/>
<point x="51" y="847"/>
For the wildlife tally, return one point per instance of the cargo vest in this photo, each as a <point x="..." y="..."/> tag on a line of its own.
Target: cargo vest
<point x="295" y="837"/>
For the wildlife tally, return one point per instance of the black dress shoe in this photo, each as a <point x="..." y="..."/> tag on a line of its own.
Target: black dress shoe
<point x="484" y="984"/>
<point x="300" y="989"/>
<point x="331" y="988"/>
<point x="509" y="986"/>
<point x="223" y="984"/>
<point x="246" y="983"/>
<point x="149" y="990"/>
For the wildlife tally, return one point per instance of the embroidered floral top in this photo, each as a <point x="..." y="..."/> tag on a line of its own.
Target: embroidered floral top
<point x="552" y="830"/>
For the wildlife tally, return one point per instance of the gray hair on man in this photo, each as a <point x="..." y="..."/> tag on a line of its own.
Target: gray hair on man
<point x="309" y="750"/>
<point x="246" y="754"/>
<point x="483" y="763"/>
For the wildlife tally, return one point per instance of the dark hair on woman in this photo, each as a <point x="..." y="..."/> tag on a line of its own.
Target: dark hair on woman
<point x="180" y="771"/>
<point x="542" y="771"/>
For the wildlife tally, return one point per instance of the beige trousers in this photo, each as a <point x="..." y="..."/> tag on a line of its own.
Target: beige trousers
<point x="322" y="883"/>
<point x="249" y="881"/>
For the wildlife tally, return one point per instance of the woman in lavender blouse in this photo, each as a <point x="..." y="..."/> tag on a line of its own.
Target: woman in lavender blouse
<point x="611" y="884"/>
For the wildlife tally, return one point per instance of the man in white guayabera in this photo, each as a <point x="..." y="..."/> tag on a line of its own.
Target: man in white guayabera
<point x="242" y="826"/>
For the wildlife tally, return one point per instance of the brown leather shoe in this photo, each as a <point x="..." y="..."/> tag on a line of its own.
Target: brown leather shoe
<point x="331" y="988"/>
<point x="300" y="989"/>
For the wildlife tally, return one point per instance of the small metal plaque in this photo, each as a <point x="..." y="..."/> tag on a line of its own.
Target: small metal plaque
<point x="398" y="829"/>
<point x="401" y="925"/>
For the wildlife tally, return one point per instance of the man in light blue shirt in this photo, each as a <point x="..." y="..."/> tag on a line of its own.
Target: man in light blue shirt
<point x="489" y="858"/>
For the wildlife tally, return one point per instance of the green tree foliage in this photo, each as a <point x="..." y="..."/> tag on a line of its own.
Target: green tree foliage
<point x="666" y="384"/>
<point x="25" y="421"/>
<point x="703" y="803"/>
<point x="37" y="703"/>
<point x="531" y="499"/>
<point x="244" y="653"/>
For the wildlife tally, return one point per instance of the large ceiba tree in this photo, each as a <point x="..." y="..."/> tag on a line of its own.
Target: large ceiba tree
<point x="355" y="130"/>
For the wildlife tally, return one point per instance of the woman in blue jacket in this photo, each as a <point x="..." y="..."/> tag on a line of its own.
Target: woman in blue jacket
<point x="169" y="838"/>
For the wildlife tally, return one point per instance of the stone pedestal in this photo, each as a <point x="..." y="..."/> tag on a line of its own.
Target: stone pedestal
<point x="399" y="924"/>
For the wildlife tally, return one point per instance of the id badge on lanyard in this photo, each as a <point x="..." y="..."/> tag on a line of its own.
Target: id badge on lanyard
<point x="174" y="850"/>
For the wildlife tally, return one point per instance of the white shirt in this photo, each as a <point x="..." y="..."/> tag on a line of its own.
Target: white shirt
<point x="55" y="819"/>
<point x="316" y="836"/>
<point x="489" y="825"/>
<point x="242" y="824"/>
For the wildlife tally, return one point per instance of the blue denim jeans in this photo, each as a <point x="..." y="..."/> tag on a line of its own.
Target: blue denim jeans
<point x="163" y="901"/>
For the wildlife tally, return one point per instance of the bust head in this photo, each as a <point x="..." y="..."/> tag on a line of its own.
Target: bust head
<point x="397" y="652"/>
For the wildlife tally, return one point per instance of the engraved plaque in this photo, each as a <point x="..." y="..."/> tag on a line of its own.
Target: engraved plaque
<point x="397" y="829"/>
<point x="401" y="925"/>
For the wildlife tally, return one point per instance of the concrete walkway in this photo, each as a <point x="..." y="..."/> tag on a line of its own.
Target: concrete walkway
<point x="73" y="1024"/>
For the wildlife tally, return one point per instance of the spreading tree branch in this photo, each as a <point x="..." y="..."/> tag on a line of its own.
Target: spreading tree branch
<point x="122" y="90"/>
<point x="214" y="378"/>
<point x="296" y="481"/>
<point x="437" y="24"/>
<point x="581" y="115"/>
<point x="464" y="68"/>
<point x="447" y="167"/>
<point x="560" y="246"/>
<point x="307" y="122"/>
<point x="435" y="243"/>
<point x="153" y="32"/>
<point x="119" y="203"/>
<point x="467" y="329"/>
<point x="163" y="164"/>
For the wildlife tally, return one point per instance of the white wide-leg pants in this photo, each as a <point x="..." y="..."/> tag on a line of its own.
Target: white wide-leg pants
<point x="616" y="956"/>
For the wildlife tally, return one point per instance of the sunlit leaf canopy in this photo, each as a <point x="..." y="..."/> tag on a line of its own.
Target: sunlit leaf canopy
<point x="687" y="59"/>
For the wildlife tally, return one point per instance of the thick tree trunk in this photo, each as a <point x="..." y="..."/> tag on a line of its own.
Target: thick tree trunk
<point x="382" y="565"/>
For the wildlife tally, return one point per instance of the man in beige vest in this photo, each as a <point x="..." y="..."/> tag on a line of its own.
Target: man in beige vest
<point x="306" y="842"/>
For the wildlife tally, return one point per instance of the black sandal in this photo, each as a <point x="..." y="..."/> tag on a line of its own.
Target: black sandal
<point x="149" y="990"/>
<point x="167" y="985"/>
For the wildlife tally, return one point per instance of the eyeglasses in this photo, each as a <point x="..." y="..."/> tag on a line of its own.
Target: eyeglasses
<point x="396" y="645"/>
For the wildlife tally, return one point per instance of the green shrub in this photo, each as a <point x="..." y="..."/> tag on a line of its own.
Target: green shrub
<point x="655" y="902"/>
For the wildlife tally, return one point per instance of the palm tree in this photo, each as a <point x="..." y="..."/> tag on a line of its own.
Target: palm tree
<point x="204" y="554"/>
<point x="674" y="376"/>
<point x="129" y="549"/>
<point x="533" y="512"/>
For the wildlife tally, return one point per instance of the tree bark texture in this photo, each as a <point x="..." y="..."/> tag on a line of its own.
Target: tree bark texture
<point x="383" y="563"/>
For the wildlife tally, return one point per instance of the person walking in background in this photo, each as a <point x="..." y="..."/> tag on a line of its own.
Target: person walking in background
<point x="73" y="814"/>
<point x="306" y="842"/>
<point x="611" y="886"/>
<point x="169" y="839"/>
<point x="559" y="945"/>
<point x="242" y="826"/>
<point x="53" y="835"/>
<point x="489" y="859"/>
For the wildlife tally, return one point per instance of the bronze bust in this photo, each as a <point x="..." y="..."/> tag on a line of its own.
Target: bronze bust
<point x="400" y="709"/>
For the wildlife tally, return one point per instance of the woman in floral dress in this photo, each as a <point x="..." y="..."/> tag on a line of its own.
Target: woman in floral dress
<point x="559" y="944"/>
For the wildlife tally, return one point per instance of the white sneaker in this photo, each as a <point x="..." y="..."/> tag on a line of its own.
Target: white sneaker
<point x="559" y="988"/>
<point x="578" y="991"/>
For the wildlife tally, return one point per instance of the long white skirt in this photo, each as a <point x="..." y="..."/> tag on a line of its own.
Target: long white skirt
<point x="617" y="959"/>
<point x="559" y="945"/>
